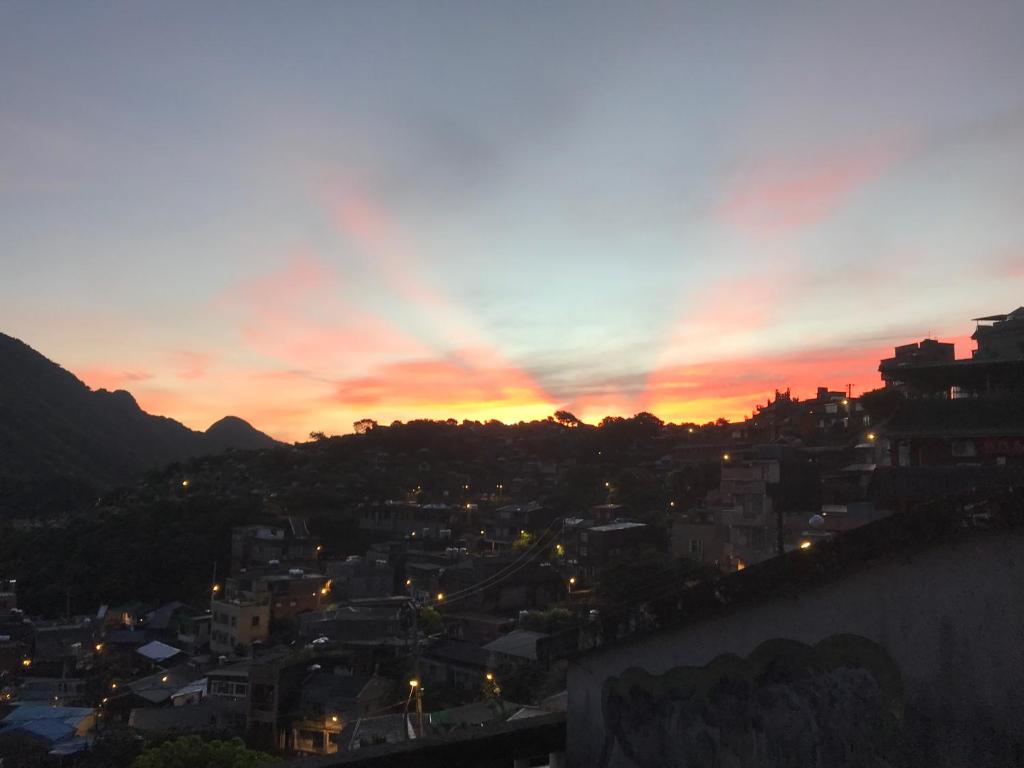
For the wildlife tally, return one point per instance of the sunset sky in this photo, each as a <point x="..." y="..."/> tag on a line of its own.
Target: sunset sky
<point x="307" y="213"/>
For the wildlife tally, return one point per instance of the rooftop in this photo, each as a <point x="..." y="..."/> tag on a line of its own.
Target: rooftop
<point x="518" y="642"/>
<point x="624" y="526"/>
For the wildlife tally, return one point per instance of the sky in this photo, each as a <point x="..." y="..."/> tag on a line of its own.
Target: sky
<point x="308" y="213"/>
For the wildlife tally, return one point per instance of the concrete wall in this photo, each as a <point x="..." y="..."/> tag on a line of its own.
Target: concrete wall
<point x="950" y="617"/>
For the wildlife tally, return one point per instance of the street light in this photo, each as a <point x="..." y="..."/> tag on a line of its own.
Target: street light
<point x="414" y="683"/>
<point x="440" y="596"/>
<point x="805" y="545"/>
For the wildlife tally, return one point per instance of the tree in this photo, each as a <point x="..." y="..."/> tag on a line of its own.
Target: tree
<point x="363" y="426"/>
<point x="318" y="436"/>
<point x="193" y="752"/>
<point x="112" y="749"/>
<point x="431" y="622"/>
<point x="567" y="419"/>
<point x="19" y="749"/>
<point x="644" y="581"/>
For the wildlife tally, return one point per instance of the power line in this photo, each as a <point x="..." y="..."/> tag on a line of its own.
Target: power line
<point x="521" y="562"/>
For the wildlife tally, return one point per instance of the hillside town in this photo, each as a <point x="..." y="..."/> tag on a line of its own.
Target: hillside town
<point x="407" y="588"/>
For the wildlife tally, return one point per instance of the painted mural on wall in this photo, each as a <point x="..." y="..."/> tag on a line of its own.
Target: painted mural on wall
<point x="837" y="703"/>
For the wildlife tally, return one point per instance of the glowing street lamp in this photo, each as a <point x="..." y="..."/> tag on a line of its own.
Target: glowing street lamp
<point x="805" y="545"/>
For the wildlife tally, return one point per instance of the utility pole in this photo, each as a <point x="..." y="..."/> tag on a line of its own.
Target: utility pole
<point x="415" y="684"/>
<point x="418" y="688"/>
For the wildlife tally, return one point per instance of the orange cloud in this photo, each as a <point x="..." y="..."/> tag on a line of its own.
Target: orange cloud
<point x="455" y="387"/>
<point x="730" y="389"/>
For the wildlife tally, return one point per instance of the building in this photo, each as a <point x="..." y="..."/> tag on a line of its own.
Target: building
<point x="929" y="369"/>
<point x="331" y="700"/>
<point x="360" y="623"/>
<point x="1000" y="337"/>
<point x="238" y="621"/>
<point x="8" y="595"/>
<point x="506" y="524"/>
<point x="455" y="663"/>
<point x="600" y="545"/>
<point x="357" y="577"/>
<point x="409" y="519"/>
<point x="262" y="545"/>
<point x="64" y="730"/>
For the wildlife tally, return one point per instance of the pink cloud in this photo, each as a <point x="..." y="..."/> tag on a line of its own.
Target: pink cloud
<point x="110" y="377"/>
<point x="777" y="196"/>
<point x="299" y="315"/>
<point x="190" y="365"/>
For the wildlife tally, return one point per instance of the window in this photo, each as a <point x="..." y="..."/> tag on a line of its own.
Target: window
<point x="255" y="621"/>
<point x="234" y="621"/>
<point x="696" y="547"/>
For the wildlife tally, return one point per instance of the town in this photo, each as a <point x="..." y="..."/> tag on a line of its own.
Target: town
<point x="445" y="593"/>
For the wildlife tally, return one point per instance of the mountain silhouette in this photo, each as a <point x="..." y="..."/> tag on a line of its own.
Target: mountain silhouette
<point x="62" y="443"/>
<point x="233" y="432"/>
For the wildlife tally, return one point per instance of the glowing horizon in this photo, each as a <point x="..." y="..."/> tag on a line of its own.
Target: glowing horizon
<point x="502" y="210"/>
